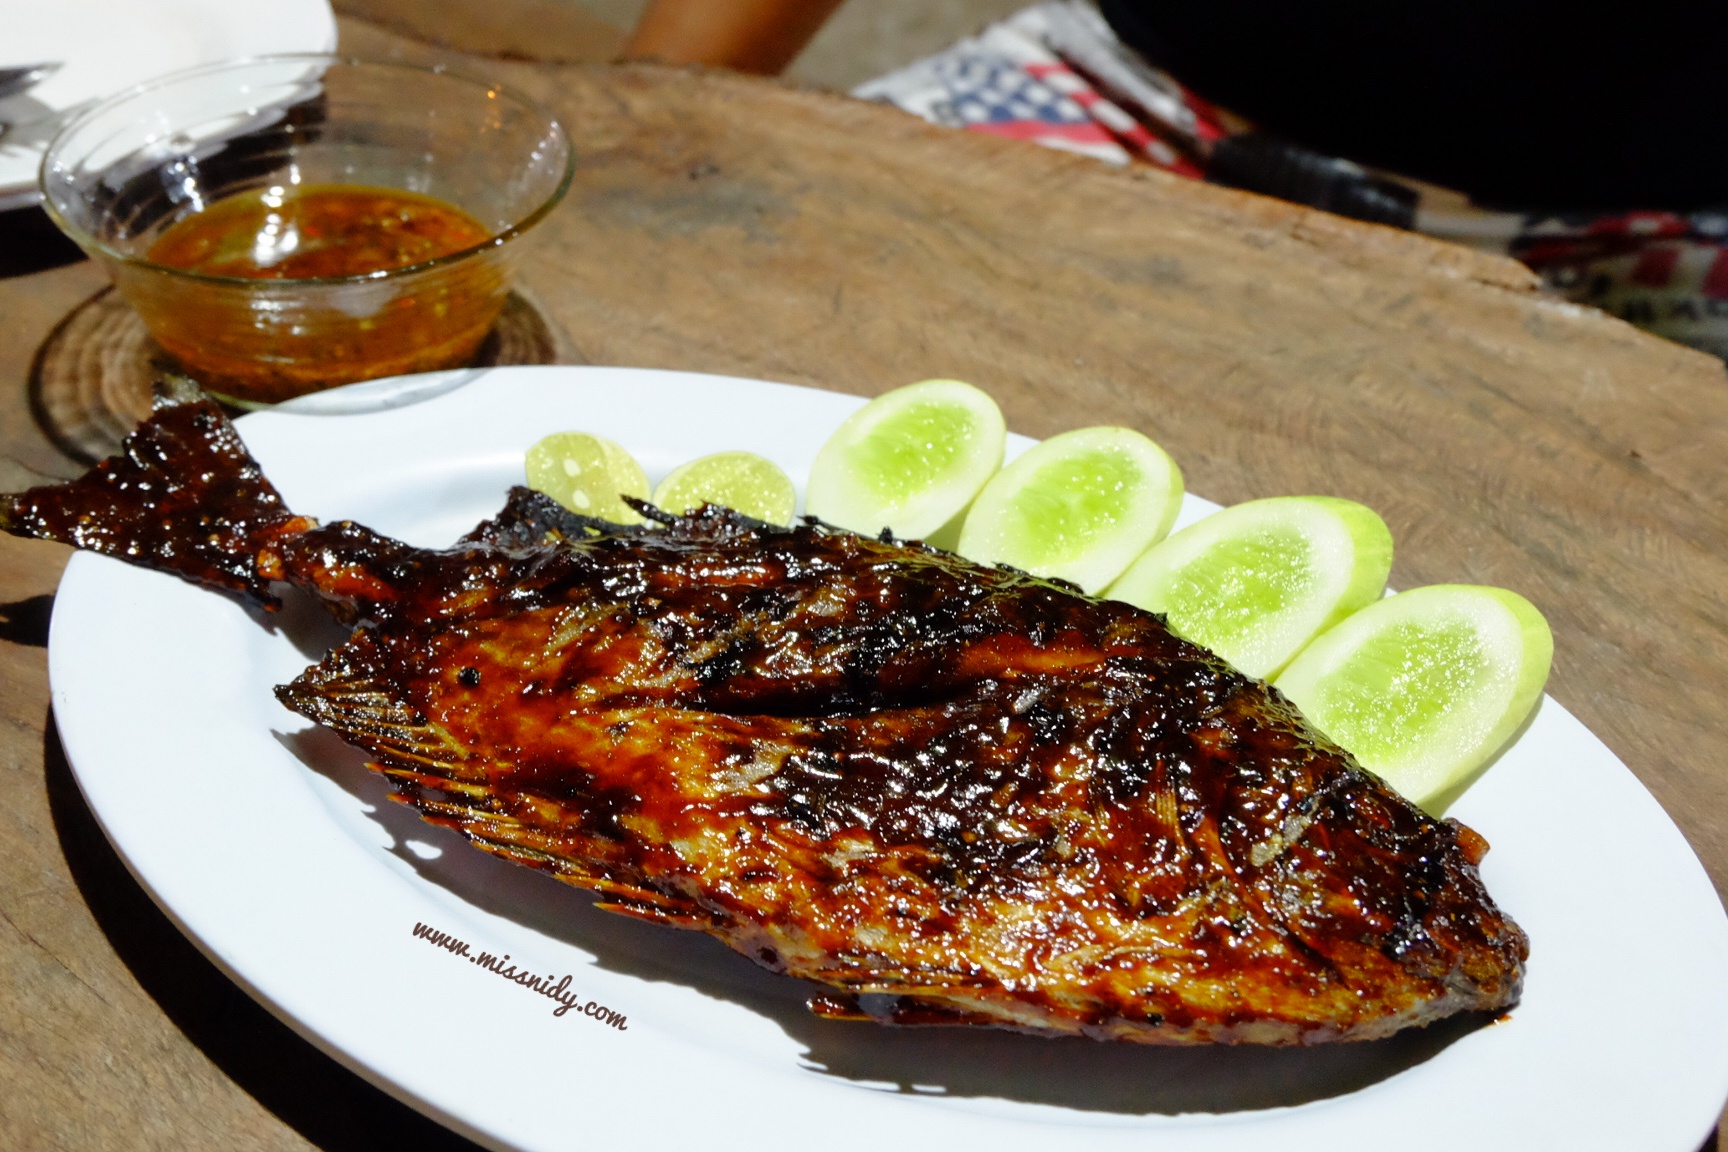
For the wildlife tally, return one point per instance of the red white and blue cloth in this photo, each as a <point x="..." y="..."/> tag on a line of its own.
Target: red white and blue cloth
<point x="1056" y="75"/>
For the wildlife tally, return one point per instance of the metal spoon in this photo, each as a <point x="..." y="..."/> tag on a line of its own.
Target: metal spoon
<point x="15" y="80"/>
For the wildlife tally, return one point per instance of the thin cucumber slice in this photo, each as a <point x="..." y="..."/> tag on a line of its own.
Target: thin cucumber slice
<point x="587" y="474"/>
<point x="909" y="461"/>
<point x="1077" y="507"/>
<point x="742" y="481"/>
<point x="1256" y="582"/>
<point x="1424" y="687"/>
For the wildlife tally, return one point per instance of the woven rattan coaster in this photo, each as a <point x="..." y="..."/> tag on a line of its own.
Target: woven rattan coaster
<point x="91" y="382"/>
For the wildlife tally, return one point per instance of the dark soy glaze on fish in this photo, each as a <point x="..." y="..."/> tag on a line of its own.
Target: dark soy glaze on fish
<point x="979" y="797"/>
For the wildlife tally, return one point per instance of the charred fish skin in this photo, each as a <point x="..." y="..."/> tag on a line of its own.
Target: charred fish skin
<point x="982" y="797"/>
<point x="952" y="794"/>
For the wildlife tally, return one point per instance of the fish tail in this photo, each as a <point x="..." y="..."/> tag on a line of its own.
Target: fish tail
<point x="183" y="495"/>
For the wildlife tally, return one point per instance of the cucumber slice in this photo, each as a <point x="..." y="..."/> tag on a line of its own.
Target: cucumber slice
<point x="910" y="461"/>
<point x="587" y="474"/>
<point x="1425" y="686"/>
<point x="1257" y="581"/>
<point x="742" y="481"/>
<point x="1077" y="507"/>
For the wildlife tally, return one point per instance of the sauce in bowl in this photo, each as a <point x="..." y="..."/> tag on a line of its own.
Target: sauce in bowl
<point x="273" y="223"/>
<point x="319" y="232"/>
<point x="339" y="289"/>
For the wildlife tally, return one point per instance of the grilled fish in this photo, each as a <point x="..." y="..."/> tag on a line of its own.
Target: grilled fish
<point x="949" y="794"/>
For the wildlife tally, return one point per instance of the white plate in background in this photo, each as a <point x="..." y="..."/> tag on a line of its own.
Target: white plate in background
<point x="106" y="46"/>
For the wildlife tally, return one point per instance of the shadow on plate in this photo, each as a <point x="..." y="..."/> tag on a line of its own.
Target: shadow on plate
<point x="302" y="620"/>
<point x="329" y="1106"/>
<point x="1121" y="1079"/>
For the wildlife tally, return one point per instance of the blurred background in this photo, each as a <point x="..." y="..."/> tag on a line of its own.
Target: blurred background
<point x="865" y="38"/>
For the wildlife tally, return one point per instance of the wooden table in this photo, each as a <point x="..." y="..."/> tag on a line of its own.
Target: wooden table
<point x="735" y="226"/>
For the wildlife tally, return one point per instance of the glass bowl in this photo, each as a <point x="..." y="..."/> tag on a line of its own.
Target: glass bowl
<point x="131" y="168"/>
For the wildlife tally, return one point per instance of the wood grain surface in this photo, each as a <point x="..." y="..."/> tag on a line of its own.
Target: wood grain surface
<point x="736" y="226"/>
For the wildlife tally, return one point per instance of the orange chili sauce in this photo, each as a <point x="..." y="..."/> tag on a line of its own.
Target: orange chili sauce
<point x="286" y="339"/>
<point x="319" y="231"/>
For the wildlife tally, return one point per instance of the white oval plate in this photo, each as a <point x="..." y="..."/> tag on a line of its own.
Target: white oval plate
<point x="106" y="46"/>
<point x="277" y="852"/>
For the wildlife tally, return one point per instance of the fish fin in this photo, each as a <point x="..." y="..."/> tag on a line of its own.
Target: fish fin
<point x="570" y="858"/>
<point x="662" y="910"/>
<point x="434" y="774"/>
<point x="183" y="495"/>
<point x="903" y="1011"/>
<point x="838" y="1006"/>
<point x="905" y="980"/>
<point x="709" y="522"/>
<point x="364" y="713"/>
<point x="529" y="519"/>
